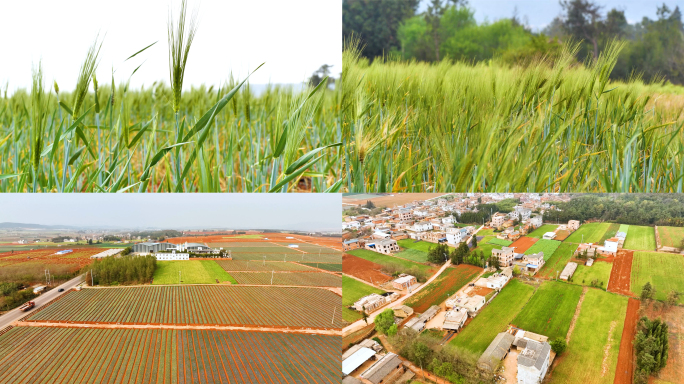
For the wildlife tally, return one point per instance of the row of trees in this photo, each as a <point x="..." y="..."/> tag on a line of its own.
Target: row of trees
<point x="483" y="212"/>
<point x="462" y="254"/>
<point x="122" y="270"/>
<point x="651" y="347"/>
<point x="448" y="29"/>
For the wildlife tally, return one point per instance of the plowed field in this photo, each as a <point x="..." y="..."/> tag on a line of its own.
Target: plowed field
<point x="200" y="305"/>
<point x="312" y="279"/>
<point x="280" y="256"/>
<point x="621" y="273"/>
<point x="523" y="244"/>
<point x="79" y="257"/>
<point x="268" y="266"/>
<point x="363" y="269"/>
<point x="90" y="355"/>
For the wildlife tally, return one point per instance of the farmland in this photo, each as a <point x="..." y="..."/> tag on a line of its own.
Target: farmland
<point x="450" y="281"/>
<point x="413" y="255"/>
<point x="198" y="304"/>
<point x="595" y="341"/>
<point x="550" y="310"/>
<point x="671" y="236"/>
<point x="79" y="257"/>
<point x="352" y="290"/>
<point x="494" y="318"/>
<point x="599" y="271"/>
<point x="419" y="245"/>
<point x="108" y="356"/>
<point x="611" y="231"/>
<point x="312" y="279"/>
<point x="523" y="244"/>
<point x="191" y="272"/>
<point x="640" y="238"/>
<point x="558" y="260"/>
<point x="363" y="269"/>
<point x="589" y="233"/>
<point x="663" y="270"/>
<point x="495" y="241"/>
<point x="280" y="256"/>
<point x="539" y="232"/>
<point x="546" y="246"/>
<point x="332" y="267"/>
<point x="390" y="261"/>
<point x="264" y="266"/>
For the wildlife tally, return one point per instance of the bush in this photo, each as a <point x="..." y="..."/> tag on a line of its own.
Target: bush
<point x="392" y="330"/>
<point x="17" y="298"/>
<point x="559" y="345"/>
<point x="384" y="321"/>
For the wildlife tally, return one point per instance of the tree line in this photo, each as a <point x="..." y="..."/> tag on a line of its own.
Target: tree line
<point x="121" y="270"/>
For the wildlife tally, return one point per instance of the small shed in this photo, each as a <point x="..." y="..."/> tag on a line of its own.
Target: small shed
<point x="568" y="271"/>
<point x="496" y="352"/>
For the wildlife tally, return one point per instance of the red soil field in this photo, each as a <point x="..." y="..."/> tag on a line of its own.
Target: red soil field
<point x="673" y="372"/>
<point x="562" y="235"/>
<point x="450" y="281"/>
<point x="523" y="244"/>
<point x="363" y="269"/>
<point x="79" y="257"/>
<point x="625" y="363"/>
<point x="333" y="242"/>
<point x="621" y="273"/>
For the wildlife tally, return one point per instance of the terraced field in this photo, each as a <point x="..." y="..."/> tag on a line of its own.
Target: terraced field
<point x="313" y="279"/>
<point x="34" y="355"/>
<point x="198" y="304"/>
<point x="265" y="266"/>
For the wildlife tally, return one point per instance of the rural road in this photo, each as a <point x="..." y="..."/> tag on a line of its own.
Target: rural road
<point x="14" y="315"/>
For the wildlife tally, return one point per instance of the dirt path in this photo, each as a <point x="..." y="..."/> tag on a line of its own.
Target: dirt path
<point x="606" y="349"/>
<point x="577" y="312"/>
<point x="621" y="273"/>
<point x="625" y="363"/>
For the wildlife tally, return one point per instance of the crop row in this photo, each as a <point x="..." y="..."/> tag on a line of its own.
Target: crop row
<point x="198" y="304"/>
<point x="315" y="279"/>
<point x="332" y="267"/>
<point x="92" y="355"/>
<point x="299" y="257"/>
<point x="256" y="265"/>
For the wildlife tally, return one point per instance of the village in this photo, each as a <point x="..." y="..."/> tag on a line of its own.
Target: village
<point x="506" y="285"/>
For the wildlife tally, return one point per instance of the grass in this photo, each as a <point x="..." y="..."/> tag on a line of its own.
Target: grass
<point x="546" y="246"/>
<point x="389" y="261"/>
<point x="663" y="270"/>
<point x="486" y="232"/>
<point x="495" y="241"/>
<point x="671" y="236"/>
<point x="539" y="232"/>
<point x="423" y="246"/>
<point x="448" y="283"/>
<point x="353" y="290"/>
<point x="598" y="271"/>
<point x="161" y="138"/>
<point x="413" y="255"/>
<point x="550" y="310"/>
<point x="588" y="348"/>
<point x="624" y="228"/>
<point x="494" y="318"/>
<point x="191" y="272"/>
<point x="486" y="248"/>
<point x="588" y="233"/>
<point x="640" y="238"/>
<point x="555" y="264"/>
<point x="415" y="126"/>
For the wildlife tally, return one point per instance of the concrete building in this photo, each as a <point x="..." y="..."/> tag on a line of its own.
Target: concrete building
<point x="498" y="219"/>
<point x="533" y="362"/>
<point x="360" y="356"/>
<point x="404" y="311"/>
<point x="386" y="246"/>
<point x="549" y="235"/>
<point x="405" y="214"/>
<point x="418" y="323"/>
<point x="370" y="303"/>
<point x="404" y="281"/>
<point x="505" y="256"/>
<point x="173" y="255"/>
<point x="536" y="221"/>
<point x="386" y="370"/>
<point x="422" y="226"/>
<point x="496" y="351"/>
<point x="456" y="235"/>
<point x="351" y="225"/>
<point x="573" y="225"/>
<point x="454" y="319"/>
<point x="568" y="271"/>
<point x="472" y="304"/>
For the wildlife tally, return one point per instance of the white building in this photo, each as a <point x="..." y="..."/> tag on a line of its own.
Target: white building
<point x="386" y="246"/>
<point x="549" y="236"/>
<point x="454" y="319"/>
<point x="533" y="362"/>
<point x="351" y="225"/>
<point x="456" y="235"/>
<point x="171" y="256"/>
<point x="536" y="221"/>
<point x="498" y="219"/>
<point x="422" y="226"/>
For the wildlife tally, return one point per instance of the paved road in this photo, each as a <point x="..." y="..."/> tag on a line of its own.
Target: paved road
<point x="15" y="314"/>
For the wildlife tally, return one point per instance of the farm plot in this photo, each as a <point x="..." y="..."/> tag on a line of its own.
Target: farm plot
<point x="263" y="266"/>
<point x="494" y="318"/>
<point x="413" y="255"/>
<point x="561" y="235"/>
<point x="311" y="248"/>
<point x="550" y="310"/>
<point x="663" y="270"/>
<point x="332" y="267"/>
<point x="196" y="304"/>
<point x="625" y="362"/>
<point x="79" y="257"/>
<point x="391" y="262"/>
<point x="539" y="232"/>
<point x="190" y="272"/>
<point x="279" y="256"/>
<point x="523" y="244"/>
<point x="450" y="281"/>
<point x="353" y="290"/>
<point x="496" y="241"/>
<point x="37" y="355"/>
<point x="546" y="246"/>
<point x="595" y="341"/>
<point x="363" y="269"/>
<point x="555" y="264"/>
<point x="671" y="236"/>
<point x="599" y="272"/>
<point x="243" y="244"/>
<point x="621" y="272"/>
<point x="311" y="279"/>
<point x="589" y="233"/>
<point x="673" y="372"/>
<point x="611" y="231"/>
<point x="640" y="238"/>
<point x="423" y="246"/>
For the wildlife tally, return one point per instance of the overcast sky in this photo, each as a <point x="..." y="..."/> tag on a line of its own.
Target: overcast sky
<point x="293" y="37"/>
<point x="176" y="211"/>
<point x="539" y="13"/>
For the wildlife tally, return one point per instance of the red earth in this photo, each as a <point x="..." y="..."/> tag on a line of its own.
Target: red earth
<point x="363" y="269"/>
<point x="621" y="273"/>
<point x="523" y="244"/>
<point x="625" y="363"/>
<point x="450" y="281"/>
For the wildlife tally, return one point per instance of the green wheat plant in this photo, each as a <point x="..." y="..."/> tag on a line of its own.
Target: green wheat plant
<point x="556" y="126"/>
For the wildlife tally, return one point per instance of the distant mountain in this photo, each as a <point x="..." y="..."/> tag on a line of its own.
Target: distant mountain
<point x="6" y="225"/>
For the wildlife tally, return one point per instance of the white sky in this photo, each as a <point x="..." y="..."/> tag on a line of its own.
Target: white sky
<point x="293" y="37"/>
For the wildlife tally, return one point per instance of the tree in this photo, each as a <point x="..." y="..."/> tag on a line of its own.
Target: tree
<point x="320" y="74"/>
<point x="516" y="271"/>
<point x="474" y="242"/>
<point x="672" y="298"/>
<point x="384" y="321"/>
<point x="648" y="291"/>
<point x="369" y="204"/>
<point x="582" y="20"/>
<point x="558" y="345"/>
<point x="438" y="253"/>
<point x="364" y="315"/>
<point x="392" y="330"/>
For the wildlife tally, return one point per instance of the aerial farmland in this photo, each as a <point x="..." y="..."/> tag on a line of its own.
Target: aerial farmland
<point x="505" y="282"/>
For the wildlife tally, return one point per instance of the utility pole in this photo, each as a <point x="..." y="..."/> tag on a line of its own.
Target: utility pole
<point x="92" y="283"/>
<point x="272" y="276"/>
<point x="333" y="317"/>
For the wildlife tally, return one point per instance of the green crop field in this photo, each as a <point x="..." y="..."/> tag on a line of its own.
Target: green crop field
<point x="546" y="246"/>
<point x="278" y="255"/>
<point x="598" y="271"/>
<point x="671" y="236"/>
<point x="550" y="310"/>
<point x="601" y="317"/>
<point x="624" y="228"/>
<point x="386" y="260"/>
<point x="592" y="233"/>
<point x="486" y="232"/>
<point x="495" y="241"/>
<point x="640" y="238"/>
<point x="486" y="248"/>
<point x="332" y="267"/>
<point x="310" y="279"/>
<point x="558" y="260"/>
<point x="448" y="283"/>
<point x="610" y="232"/>
<point x="352" y="290"/>
<point x="663" y="270"/>
<point x="191" y="272"/>
<point x="539" y="232"/>
<point x="413" y="255"/>
<point x="423" y="246"/>
<point x="494" y="318"/>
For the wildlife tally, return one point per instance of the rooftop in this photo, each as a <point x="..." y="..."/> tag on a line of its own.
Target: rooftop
<point x="381" y="368"/>
<point x="534" y="354"/>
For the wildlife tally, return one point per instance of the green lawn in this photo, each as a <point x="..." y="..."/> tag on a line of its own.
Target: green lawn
<point x="539" y="232"/>
<point x="598" y="271"/>
<point x="494" y="318"/>
<point x="554" y="265"/>
<point x="611" y="231"/>
<point x="671" y="236"/>
<point x="386" y="260"/>
<point x="546" y="246"/>
<point x="504" y="243"/>
<point x="593" y="233"/>
<point x="413" y="255"/>
<point x="191" y="272"/>
<point x="550" y="311"/>
<point x="663" y="270"/>
<point x="640" y="238"/>
<point x="423" y="246"/>
<point x="602" y="315"/>
<point x="352" y="290"/>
